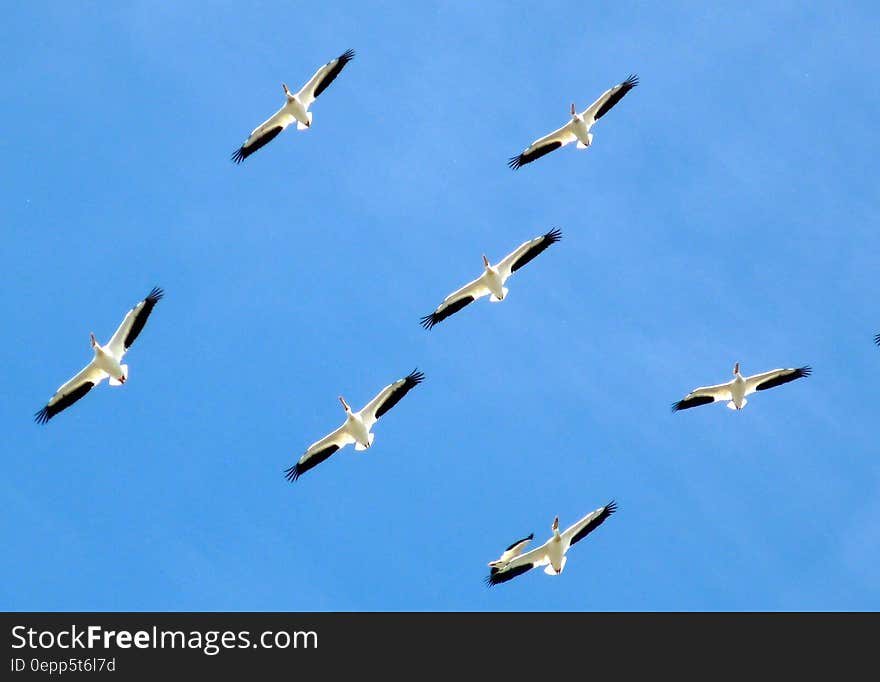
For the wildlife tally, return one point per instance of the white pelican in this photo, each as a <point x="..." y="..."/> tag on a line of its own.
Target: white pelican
<point x="356" y="428"/>
<point x="578" y="128"/>
<point x="295" y="109"/>
<point x="736" y="390"/>
<point x="106" y="362"/>
<point x="491" y="282"/>
<point x="552" y="553"/>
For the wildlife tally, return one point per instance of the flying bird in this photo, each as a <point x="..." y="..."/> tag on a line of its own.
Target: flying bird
<point x="578" y="128"/>
<point x="107" y="360"/>
<point x="491" y="281"/>
<point x="736" y="390"/>
<point x="551" y="554"/>
<point x="295" y="109"/>
<point x="356" y="428"/>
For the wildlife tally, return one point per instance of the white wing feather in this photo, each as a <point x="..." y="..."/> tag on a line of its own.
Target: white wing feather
<point x="368" y="412"/>
<point x="340" y="437"/>
<point x="718" y="392"/>
<point x="537" y="557"/>
<point x="565" y="135"/>
<point x="116" y="344"/>
<point x="477" y="288"/>
<point x="282" y="118"/>
<point x="89" y="373"/>
<point x="506" y="263"/>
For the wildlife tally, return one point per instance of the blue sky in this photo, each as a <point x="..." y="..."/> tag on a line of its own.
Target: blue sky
<point x="726" y="212"/>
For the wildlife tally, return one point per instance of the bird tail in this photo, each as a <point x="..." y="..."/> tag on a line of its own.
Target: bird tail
<point x="549" y="570"/>
<point x="303" y="126"/>
<point x="494" y="299"/>
<point x="581" y="145"/>
<point x="116" y="382"/>
<point x="358" y="446"/>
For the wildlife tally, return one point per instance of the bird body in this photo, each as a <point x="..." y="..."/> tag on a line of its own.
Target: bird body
<point x="494" y="282"/>
<point x="109" y="362"/>
<point x="555" y="551"/>
<point x="358" y="425"/>
<point x="581" y="130"/>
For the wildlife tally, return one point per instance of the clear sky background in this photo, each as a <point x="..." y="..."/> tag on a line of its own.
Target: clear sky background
<point x="726" y="212"/>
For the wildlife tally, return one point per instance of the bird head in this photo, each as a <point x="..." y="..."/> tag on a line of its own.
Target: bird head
<point x="573" y="111"/>
<point x="92" y="340"/>
<point x="344" y="404"/>
<point x="485" y="262"/>
<point x="736" y="369"/>
<point x="555" y="526"/>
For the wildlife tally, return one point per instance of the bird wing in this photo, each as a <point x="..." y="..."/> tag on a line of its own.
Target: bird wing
<point x="133" y="323"/>
<point x="322" y="78"/>
<point x="71" y="391"/>
<point x="558" y="138"/>
<point x="514" y="550"/>
<point x="389" y="396"/>
<point x="457" y="300"/>
<point x="264" y="133"/>
<point x="703" y="396"/>
<point x="580" y="529"/>
<point x="525" y="252"/>
<point x="608" y="99"/>
<point x="775" y="377"/>
<point x="319" y="451"/>
<point x="518" y="565"/>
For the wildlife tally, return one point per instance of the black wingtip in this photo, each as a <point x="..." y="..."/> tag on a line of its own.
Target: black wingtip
<point x="632" y="81"/>
<point x="42" y="416"/>
<point x="492" y="579"/>
<point x="415" y="377"/>
<point x="877" y="339"/>
<point x="428" y="321"/>
<point x="292" y="473"/>
<point x="156" y="294"/>
<point x="346" y="56"/>
<point x="496" y="576"/>
<point x="687" y="403"/>
<point x="611" y="507"/>
<point x="553" y="235"/>
<point x="529" y="537"/>
<point x="515" y="162"/>
<point x="804" y="371"/>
